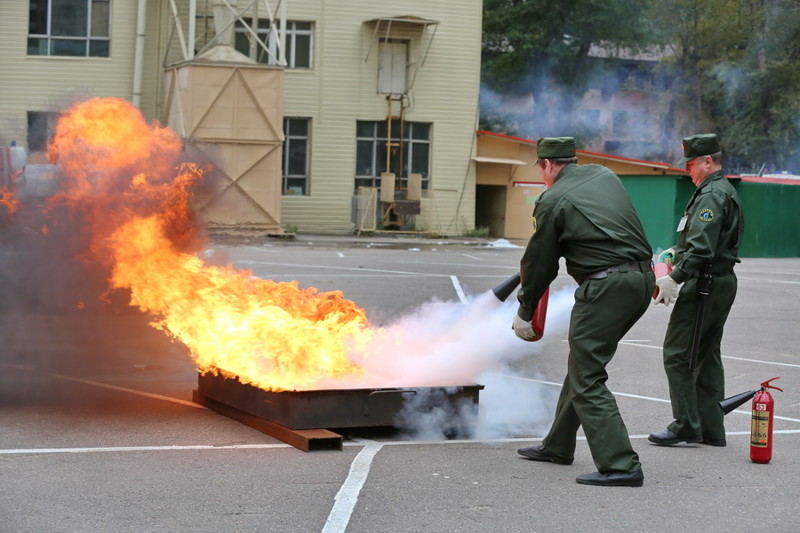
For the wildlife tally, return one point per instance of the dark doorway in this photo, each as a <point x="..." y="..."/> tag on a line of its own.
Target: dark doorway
<point x="490" y="209"/>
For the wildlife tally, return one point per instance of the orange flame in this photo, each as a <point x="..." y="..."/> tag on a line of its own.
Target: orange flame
<point x="126" y="179"/>
<point x="7" y="199"/>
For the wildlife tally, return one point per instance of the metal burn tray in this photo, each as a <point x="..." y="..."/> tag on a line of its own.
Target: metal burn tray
<point x="336" y="408"/>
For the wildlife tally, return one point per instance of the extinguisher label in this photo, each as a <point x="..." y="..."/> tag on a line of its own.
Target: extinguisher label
<point x="759" y="429"/>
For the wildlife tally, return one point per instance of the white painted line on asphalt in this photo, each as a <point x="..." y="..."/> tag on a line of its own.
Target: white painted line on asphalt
<point x="337" y="268"/>
<point x="357" y="442"/>
<point x="760" y="361"/>
<point x="131" y="391"/>
<point x="538" y="439"/>
<point x="792" y="365"/>
<point x="776" y="417"/>
<point x="455" y="282"/>
<point x="639" y="397"/>
<point x="472" y="257"/>
<point x="192" y="447"/>
<point x="30" y="368"/>
<point x="553" y="383"/>
<point x="777" y="272"/>
<point x="296" y="275"/>
<point x="27" y="368"/>
<point x="459" y="291"/>
<point x="763" y="280"/>
<point x="340" y="254"/>
<point x="735" y="433"/>
<point x="347" y="497"/>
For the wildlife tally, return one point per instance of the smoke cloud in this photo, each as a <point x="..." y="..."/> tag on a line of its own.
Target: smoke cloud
<point x="450" y="344"/>
<point x="612" y="113"/>
<point x="56" y="314"/>
<point x="61" y="315"/>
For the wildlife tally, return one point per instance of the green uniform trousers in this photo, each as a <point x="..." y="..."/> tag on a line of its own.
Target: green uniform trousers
<point x="695" y="395"/>
<point x="604" y="310"/>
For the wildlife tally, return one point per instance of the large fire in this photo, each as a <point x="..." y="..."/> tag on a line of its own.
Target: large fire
<point x="126" y="181"/>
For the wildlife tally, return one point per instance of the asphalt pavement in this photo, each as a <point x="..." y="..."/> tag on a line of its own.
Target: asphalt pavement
<point x="98" y="431"/>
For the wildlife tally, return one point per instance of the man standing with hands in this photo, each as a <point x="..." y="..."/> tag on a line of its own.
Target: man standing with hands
<point x="709" y="235"/>
<point x="586" y="216"/>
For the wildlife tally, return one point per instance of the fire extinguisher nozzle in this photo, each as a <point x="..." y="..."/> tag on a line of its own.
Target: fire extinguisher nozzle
<point x="504" y="290"/>
<point x="729" y="404"/>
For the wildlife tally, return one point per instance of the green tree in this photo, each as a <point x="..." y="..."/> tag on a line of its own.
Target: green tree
<point x="733" y="67"/>
<point x="542" y="47"/>
<point x="737" y="66"/>
<point x="755" y="90"/>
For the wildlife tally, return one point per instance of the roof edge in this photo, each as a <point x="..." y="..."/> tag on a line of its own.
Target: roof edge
<point x="642" y="162"/>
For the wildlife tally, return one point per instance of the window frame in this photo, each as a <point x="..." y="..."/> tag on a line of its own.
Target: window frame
<point x="95" y="45"/>
<point x="289" y="139"/>
<point x="269" y="38"/>
<point x="40" y="128"/>
<point x="388" y="70"/>
<point x="410" y="141"/>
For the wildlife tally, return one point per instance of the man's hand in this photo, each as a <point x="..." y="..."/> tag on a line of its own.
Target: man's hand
<point x="667" y="257"/>
<point x="667" y="290"/>
<point x="523" y="329"/>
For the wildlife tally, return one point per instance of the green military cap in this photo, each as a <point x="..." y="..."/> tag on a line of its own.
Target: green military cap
<point x="697" y="145"/>
<point x="555" y="147"/>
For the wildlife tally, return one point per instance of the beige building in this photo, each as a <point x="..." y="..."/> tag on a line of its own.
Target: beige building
<point x="508" y="182"/>
<point x="358" y="91"/>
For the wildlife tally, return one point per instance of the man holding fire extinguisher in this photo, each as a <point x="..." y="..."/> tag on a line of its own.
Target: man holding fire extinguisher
<point x="709" y="235"/>
<point x="586" y="216"/>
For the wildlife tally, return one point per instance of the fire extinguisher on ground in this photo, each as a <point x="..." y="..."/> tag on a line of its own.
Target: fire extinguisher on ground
<point x="761" y="424"/>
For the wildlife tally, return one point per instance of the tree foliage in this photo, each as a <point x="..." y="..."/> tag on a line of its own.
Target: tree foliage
<point x="733" y="66"/>
<point x="542" y="46"/>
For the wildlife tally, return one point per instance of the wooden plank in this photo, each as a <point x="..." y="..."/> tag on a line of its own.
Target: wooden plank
<point x="303" y="439"/>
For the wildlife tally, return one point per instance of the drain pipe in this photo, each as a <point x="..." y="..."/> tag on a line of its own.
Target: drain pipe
<point x="138" y="59"/>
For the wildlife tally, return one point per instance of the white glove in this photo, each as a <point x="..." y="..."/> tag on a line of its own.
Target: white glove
<point x="523" y="329"/>
<point x="667" y="290"/>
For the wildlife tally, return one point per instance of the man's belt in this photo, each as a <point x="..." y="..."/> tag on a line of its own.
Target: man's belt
<point x="701" y="273"/>
<point x="635" y="266"/>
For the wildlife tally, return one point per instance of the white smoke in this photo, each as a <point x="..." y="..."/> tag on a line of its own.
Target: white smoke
<point x="450" y="344"/>
<point x="512" y="406"/>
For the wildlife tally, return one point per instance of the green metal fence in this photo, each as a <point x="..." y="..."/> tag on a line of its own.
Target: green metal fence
<point x="771" y="212"/>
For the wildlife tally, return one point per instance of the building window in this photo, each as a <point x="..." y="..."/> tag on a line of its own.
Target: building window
<point x="413" y="154"/>
<point x="392" y="68"/>
<point x="69" y="28"/>
<point x="591" y="118"/>
<point x="295" y="156"/>
<point x="41" y="128"/>
<point x="619" y="125"/>
<point x="299" y="44"/>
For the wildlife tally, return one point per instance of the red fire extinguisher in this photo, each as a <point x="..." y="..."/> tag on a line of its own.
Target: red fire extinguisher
<point x="761" y="424"/>
<point x="540" y="315"/>
<point x="504" y="290"/>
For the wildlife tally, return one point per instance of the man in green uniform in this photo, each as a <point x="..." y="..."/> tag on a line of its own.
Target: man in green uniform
<point x="708" y="242"/>
<point x="586" y="216"/>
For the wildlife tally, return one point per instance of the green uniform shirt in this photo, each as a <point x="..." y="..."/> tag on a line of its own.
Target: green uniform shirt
<point x="587" y="218"/>
<point x="710" y="230"/>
